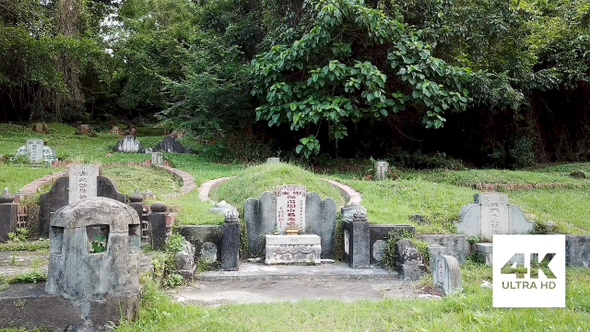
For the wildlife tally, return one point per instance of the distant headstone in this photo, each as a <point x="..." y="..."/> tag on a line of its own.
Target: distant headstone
<point x="446" y="274"/>
<point x="578" y="174"/>
<point x="381" y="168"/>
<point x="170" y="144"/>
<point x="290" y="206"/>
<point x="40" y="128"/>
<point x="273" y="160"/>
<point x="35" y="150"/>
<point x="128" y="145"/>
<point x="491" y="214"/>
<point x="84" y="129"/>
<point x="157" y="158"/>
<point x="83" y="182"/>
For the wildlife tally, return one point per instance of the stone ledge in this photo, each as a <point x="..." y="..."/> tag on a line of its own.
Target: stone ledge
<point x="28" y="306"/>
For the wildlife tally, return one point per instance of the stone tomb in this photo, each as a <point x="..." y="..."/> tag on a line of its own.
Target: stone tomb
<point x="491" y="214"/>
<point x="381" y="168"/>
<point x="128" y="145"/>
<point x="290" y="207"/>
<point x="36" y="152"/>
<point x="84" y="182"/>
<point x="446" y="275"/>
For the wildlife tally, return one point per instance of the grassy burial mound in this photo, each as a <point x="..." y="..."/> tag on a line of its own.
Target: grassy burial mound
<point x="127" y="178"/>
<point x="266" y="177"/>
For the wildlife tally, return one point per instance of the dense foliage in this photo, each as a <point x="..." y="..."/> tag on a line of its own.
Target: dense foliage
<point x="502" y="83"/>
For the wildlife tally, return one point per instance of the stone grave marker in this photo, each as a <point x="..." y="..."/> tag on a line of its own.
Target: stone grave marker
<point x="157" y="158"/>
<point x="35" y="150"/>
<point x="170" y="144"/>
<point x="83" y="182"/>
<point x="8" y="215"/>
<point x="491" y="214"/>
<point x="273" y="160"/>
<point x="94" y="259"/>
<point x="381" y="168"/>
<point x="128" y="145"/>
<point x="290" y="207"/>
<point x="446" y="275"/>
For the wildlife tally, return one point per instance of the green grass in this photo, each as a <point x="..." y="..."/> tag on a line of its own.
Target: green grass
<point x="266" y="177"/>
<point x="469" y="311"/>
<point x="128" y="178"/>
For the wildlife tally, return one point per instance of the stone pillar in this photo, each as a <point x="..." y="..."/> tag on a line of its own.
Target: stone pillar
<point x="381" y="168"/>
<point x="230" y="242"/>
<point x="157" y="158"/>
<point x="136" y="202"/>
<point x="157" y="221"/>
<point x="8" y="215"/>
<point x="359" y="237"/>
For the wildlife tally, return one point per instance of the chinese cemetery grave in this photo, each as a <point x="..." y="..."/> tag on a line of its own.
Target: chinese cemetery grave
<point x="36" y="152"/>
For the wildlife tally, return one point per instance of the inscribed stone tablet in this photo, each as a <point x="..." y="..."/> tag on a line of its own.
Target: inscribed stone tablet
<point x="157" y="158"/>
<point x="290" y="207"/>
<point x="35" y="150"/>
<point x="494" y="214"/>
<point x="83" y="182"/>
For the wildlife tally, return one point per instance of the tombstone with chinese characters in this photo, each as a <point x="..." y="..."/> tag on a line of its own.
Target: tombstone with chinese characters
<point x="491" y="214"/>
<point x="446" y="275"/>
<point x="36" y="152"/>
<point x="297" y="226"/>
<point x="84" y="181"/>
<point x="157" y="158"/>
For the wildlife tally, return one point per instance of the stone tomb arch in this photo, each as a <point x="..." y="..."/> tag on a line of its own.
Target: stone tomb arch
<point x="94" y="249"/>
<point x="290" y="206"/>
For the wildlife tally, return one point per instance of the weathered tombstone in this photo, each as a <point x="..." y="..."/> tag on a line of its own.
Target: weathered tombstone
<point x="290" y="207"/>
<point x="83" y="182"/>
<point x="357" y="251"/>
<point x="35" y="150"/>
<point x="59" y="196"/>
<point x="446" y="274"/>
<point x="491" y="214"/>
<point x="84" y="129"/>
<point x="381" y="168"/>
<point x="273" y="160"/>
<point x="157" y="158"/>
<point x="8" y="215"/>
<point x="170" y="144"/>
<point x="157" y="221"/>
<point x="230" y="241"/>
<point x="128" y="145"/>
<point x="40" y="128"/>
<point x="94" y="259"/>
<point x="409" y="261"/>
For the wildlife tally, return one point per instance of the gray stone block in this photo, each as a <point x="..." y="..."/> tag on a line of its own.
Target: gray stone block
<point x="485" y="251"/>
<point x="357" y="251"/>
<point x="184" y="261"/>
<point x="348" y="210"/>
<point x="320" y="216"/>
<point x="83" y="182"/>
<point x="287" y="249"/>
<point x="433" y="251"/>
<point x="230" y="246"/>
<point x="446" y="274"/>
<point x="381" y="168"/>
<point x="456" y="244"/>
<point x="577" y="250"/>
<point x="409" y="262"/>
<point x="259" y="215"/>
